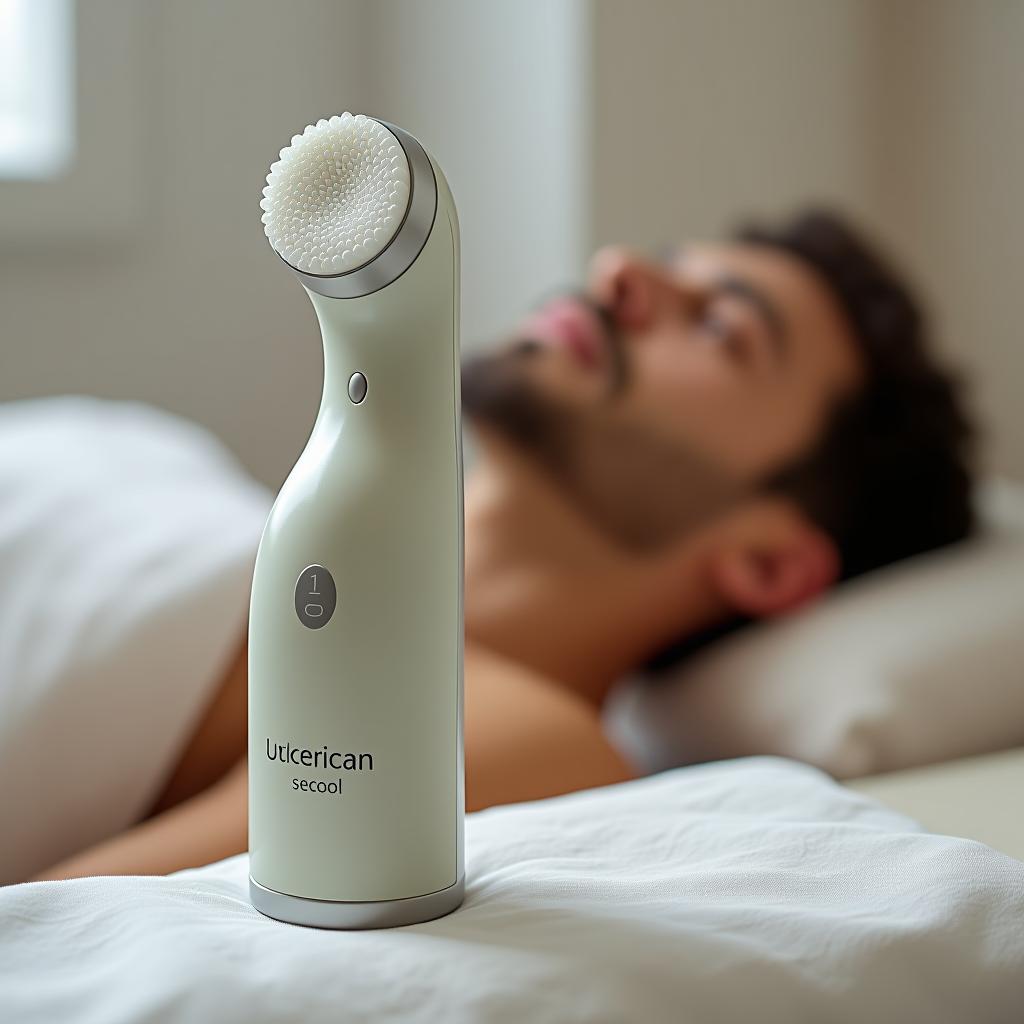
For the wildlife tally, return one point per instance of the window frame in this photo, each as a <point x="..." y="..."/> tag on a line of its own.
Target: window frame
<point x="95" y="197"/>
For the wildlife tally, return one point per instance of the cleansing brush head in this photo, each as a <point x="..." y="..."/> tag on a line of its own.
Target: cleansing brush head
<point x="337" y="196"/>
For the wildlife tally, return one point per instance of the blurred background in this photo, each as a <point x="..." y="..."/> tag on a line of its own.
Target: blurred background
<point x="135" y="137"/>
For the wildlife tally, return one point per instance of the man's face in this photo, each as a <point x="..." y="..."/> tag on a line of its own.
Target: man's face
<point x="710" y="371"/>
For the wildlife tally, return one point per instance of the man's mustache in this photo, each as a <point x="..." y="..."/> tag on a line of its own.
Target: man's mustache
<point x="612" y="340"/>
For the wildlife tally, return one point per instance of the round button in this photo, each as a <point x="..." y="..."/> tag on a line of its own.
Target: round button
<point x="315" y="596"/>
<point x="357" y="387"/>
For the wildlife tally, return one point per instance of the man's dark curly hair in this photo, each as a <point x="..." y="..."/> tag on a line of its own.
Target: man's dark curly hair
<point x="890" y="476"/>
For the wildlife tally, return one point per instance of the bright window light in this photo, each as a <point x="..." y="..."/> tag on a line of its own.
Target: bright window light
<point x="36" y="90"/>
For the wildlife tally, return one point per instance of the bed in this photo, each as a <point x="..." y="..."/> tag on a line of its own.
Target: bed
<point x="752" y="889"/>
<point x="748" y="887"/>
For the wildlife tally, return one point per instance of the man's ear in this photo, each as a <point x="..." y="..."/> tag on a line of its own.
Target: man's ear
<point x="775" y="561"/>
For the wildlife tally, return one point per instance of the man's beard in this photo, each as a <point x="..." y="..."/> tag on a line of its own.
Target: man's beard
<point x="640" y="487"/>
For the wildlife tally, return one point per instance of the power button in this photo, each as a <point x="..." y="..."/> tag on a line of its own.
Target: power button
<point x="315" y="596"/>
<point x="357" y="387"/>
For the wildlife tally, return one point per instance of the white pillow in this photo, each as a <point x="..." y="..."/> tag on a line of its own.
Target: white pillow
<point x="127" y="538"/>
<point x="919" y="662"/>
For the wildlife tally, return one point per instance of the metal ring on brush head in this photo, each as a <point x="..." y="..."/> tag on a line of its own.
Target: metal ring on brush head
<point x="401" y="252"/>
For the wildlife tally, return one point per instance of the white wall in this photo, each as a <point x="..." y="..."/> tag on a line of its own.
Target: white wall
<point x="948" y="185"/>
<point x="709" y="111"/>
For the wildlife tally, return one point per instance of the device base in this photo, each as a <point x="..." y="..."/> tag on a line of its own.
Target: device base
<point x="369" y="914"/>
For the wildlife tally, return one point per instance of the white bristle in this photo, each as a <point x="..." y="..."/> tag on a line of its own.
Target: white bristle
<point x="336" y="196"/>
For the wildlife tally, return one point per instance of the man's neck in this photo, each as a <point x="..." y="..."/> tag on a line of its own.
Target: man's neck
<point x="545" y="588"/>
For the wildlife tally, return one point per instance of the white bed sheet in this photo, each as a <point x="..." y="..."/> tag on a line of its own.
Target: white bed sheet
<point x="747" y="890"/>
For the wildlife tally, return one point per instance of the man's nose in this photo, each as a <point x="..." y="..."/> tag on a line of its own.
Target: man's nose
<point x="630" y="287"/>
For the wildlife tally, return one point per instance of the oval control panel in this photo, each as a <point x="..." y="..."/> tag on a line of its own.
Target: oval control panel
<point x="315" y="596"/>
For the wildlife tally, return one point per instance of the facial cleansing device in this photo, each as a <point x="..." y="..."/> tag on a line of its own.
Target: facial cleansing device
<point x="355" y="631"/>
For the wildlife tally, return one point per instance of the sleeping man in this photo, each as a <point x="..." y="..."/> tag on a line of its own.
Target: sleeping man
<point x="714" y="437"/>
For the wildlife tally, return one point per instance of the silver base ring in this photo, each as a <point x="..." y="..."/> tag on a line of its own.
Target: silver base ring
<point x="369" y="914"/>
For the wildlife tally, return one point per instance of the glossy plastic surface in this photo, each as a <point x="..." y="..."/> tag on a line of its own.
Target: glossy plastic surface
<point x="376" y="498"/>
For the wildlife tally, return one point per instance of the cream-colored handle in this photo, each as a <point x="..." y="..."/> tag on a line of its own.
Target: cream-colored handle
<point x="376" y="499"/>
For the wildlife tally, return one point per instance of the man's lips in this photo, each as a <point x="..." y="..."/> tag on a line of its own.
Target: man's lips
<point x="568" y="323"/>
